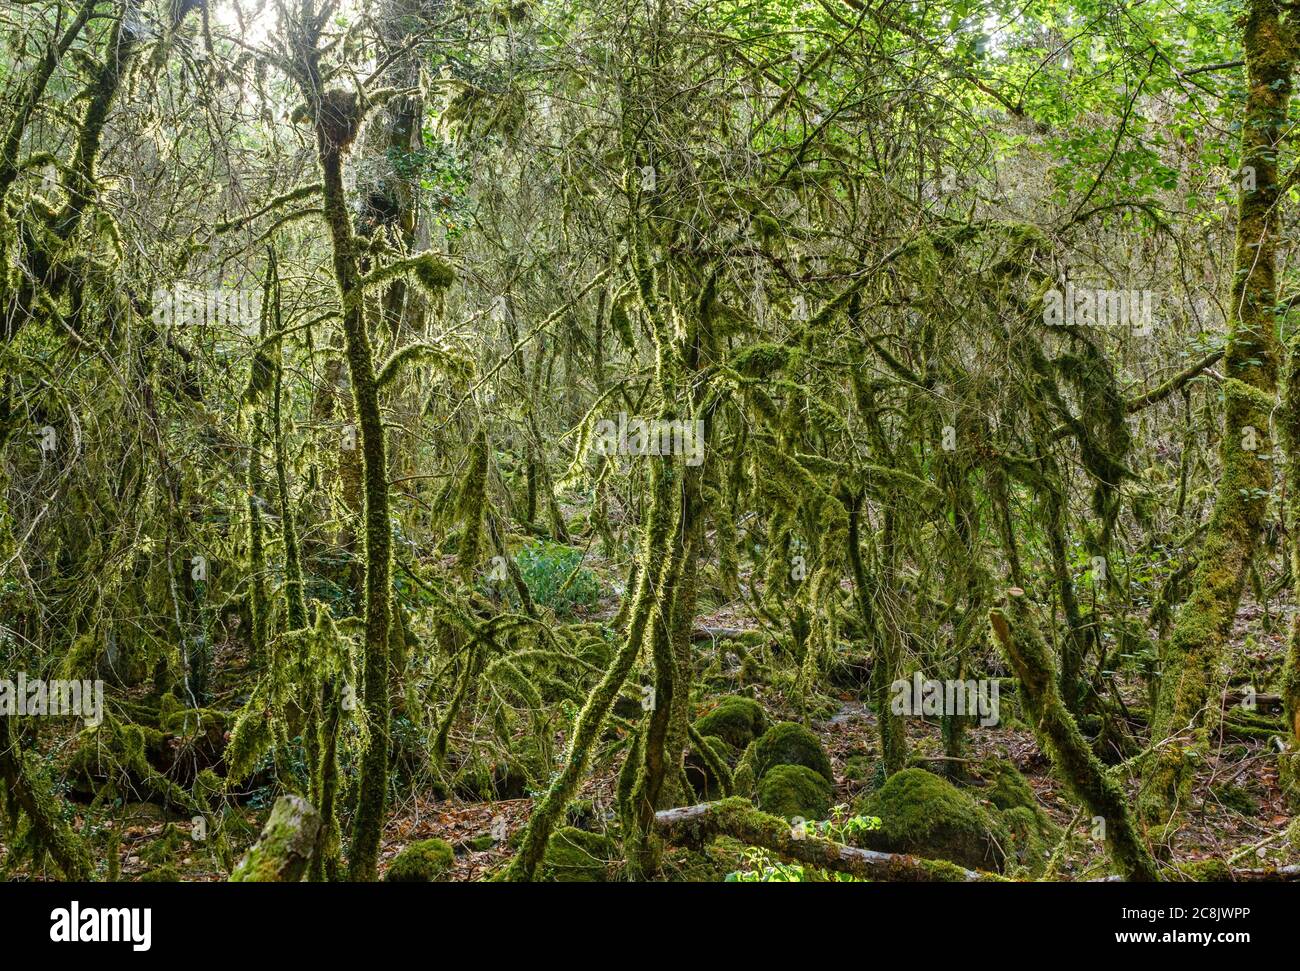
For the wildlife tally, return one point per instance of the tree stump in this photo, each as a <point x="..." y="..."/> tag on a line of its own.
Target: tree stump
<point x="283" y="851"/>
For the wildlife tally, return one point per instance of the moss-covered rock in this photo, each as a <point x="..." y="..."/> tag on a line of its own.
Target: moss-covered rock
<point x="162" y="874"/>
<point x="426" y="861"/>
<point x="1032" y="837"/>
<point x="928" y="816"/>
<point x="283" y="851"/>
<point x="698" y="773"/>
<point x="576" y="856"/>
<point x="794" y="790"/>
<point x="736" y="719"/>
<point x="1007" y="788"/>
<point x="787" y="743"/>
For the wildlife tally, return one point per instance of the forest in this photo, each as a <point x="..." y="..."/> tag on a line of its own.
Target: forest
<point x="649" y="440"/>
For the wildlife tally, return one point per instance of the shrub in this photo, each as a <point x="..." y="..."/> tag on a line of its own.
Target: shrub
<point x="555" y="576"/>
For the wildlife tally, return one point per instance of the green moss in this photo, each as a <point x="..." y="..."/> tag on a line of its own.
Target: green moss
<point x="426" y="861"/>
<point x="1031" y="831"/>
<point x="709" y="864"/>
<point x="928" y="816"/>
<point x="862" y="770"/>
<point x="1235" y="798"/>
<point x="702" y="779"/>
<point x="207" y="785"/>
<point x="484" y="841"/>
<point x="794" y="790"/>
<point x="787" y="743"/>
<point x="432" y="273"/>
<point x="736" y="719"/>
<point x="576" y="856"/>
<point x="1059" y="736"/>
<point x="580" y="813"/>
<point x="162" y="874"/>
<point x="190" y="722"/>
<point x="1032" y="836"/>
<point x="1007" y="787"/>
<point x="163" y="850"/>
<point x="285" y="846"/>
<point x="1206" y="871"/>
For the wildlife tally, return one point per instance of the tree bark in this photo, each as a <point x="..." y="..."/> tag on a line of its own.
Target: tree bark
<point x="1189" y="657"/>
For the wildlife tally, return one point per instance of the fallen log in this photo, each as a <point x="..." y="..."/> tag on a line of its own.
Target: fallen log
<point x="1282" y="874"/>
<point x="697" y="825"/>
<point x="283" y="851"/>
<point x="718" y="633"/>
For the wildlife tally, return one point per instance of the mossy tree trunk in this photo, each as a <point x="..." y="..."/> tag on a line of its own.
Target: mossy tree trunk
<point x="1289" y="428"/>
<point x="1190" y="656"/>
<point x="660" y="525"/>
<point x="337" y="117"/>
<point x="38" y="803"/>
<point x="1061" y="739"/>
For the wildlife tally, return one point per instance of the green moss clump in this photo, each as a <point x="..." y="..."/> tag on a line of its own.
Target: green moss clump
<point x="928" y="816"/>
<point x="1008" y="789"/>
<point x="196" y="721"/>
<point x="1206" y="871"/>
<point x="787" y="743"/>
<point x="736" y="719"/>
<point x="698" y="773"/>
<point x="794" y="790"/>
<point x="433" y="274"/>
<point x="1235" y="798"/>
<point x="426" y="861"/>
<point x="163" y="850"/>
<point x="162" y="874"/>
<point x="1032" y="836"/>
<point x="575" y="856"/>
<point x="860" y="769"/>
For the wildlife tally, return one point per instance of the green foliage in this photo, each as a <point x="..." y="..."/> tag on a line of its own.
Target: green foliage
<point x="556" y="578"/>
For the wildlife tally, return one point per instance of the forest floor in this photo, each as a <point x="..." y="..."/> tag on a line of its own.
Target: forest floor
<point x="1238" y="808"/>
